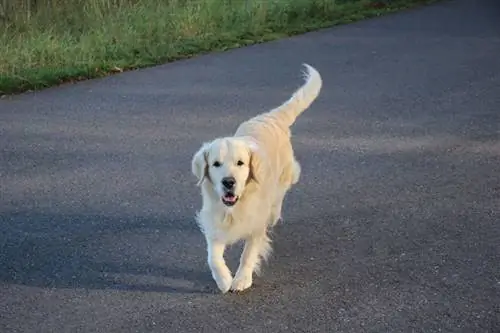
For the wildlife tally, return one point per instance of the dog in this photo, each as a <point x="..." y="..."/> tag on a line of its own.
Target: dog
<point x="244" y="179"/>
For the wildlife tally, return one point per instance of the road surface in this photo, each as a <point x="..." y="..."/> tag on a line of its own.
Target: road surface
<point x="394" y="226"/>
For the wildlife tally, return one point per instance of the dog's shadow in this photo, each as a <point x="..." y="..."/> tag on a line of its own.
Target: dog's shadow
<point x="51" y="251"/>
<point x="199" y="280"/>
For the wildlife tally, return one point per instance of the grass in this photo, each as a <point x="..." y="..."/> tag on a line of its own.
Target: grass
<point x="65" y="40"/>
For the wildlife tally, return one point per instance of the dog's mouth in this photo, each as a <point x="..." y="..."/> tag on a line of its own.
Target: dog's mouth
<point x="229" y="199"/>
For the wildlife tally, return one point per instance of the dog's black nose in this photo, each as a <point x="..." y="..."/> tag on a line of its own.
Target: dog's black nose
<point x="228" y="182"/>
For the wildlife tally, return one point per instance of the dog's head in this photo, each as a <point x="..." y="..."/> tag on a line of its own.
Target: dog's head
<point x="229" y="166"/>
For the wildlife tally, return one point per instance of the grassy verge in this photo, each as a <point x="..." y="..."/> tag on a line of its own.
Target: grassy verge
<point x="66" y="40"/>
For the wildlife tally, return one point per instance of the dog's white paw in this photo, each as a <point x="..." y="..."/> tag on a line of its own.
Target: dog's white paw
<point x="223" y="279"/>
<point x="242" y="282"/>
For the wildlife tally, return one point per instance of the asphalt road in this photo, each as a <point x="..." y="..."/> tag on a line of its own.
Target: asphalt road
<point x="394" y="226"/>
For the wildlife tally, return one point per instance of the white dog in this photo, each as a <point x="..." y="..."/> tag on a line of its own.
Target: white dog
<point x="244" y="179"/>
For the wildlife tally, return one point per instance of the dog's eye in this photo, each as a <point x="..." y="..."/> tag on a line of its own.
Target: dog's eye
<point x="216" y="164"/>
<point x="240" y="163"/>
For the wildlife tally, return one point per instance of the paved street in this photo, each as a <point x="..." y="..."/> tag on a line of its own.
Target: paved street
<point x="394" y="226"/>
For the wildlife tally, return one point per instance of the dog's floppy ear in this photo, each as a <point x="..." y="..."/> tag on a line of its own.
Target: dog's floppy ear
<point x="199" y="164"/>
<point x="258" y="164"/>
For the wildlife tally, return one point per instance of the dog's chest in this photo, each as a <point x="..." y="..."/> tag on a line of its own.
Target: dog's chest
<point x="234" y="227"/>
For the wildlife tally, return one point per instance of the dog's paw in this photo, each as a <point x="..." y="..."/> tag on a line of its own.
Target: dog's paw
<point x="242" y="282"/>
<point x="223" y="279"/>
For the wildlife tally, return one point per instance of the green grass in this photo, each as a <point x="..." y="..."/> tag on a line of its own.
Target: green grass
<point x="61" y="41"/>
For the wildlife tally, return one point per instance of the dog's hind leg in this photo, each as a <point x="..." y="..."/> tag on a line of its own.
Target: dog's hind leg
<point x="277" y="206"/>
<point x="290" y="174"/>
<point x="257" y="248"/>
<point x="289" y="177"/>
<point x="295" y="172"/>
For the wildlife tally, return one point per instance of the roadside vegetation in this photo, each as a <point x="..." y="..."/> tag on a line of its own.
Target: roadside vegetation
<point x="48" y="42"/>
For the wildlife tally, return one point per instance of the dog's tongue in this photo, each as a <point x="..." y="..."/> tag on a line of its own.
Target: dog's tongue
<point x="230" y="198"/>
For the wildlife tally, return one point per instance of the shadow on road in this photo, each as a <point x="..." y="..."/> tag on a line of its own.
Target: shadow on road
<point x="98" y="252"/>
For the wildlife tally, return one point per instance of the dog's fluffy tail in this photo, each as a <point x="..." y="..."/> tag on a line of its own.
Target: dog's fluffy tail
<point x="301" y="99"/>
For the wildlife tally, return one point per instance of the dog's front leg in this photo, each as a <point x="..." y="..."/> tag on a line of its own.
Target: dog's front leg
<point x="256" y="248"/>
<point x="220" y="272"/>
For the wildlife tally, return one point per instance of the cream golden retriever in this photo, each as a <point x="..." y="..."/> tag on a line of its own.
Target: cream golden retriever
<point x="244" y="179"/>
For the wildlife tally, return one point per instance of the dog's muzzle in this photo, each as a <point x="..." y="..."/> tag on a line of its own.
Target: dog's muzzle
<point x="229" y="199"/>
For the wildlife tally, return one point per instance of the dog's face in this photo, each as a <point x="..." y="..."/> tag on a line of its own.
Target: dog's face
<point x="229" y="165"/>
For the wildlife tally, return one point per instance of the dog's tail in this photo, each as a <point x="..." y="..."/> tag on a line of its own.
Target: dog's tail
<point x="301" y="99"/>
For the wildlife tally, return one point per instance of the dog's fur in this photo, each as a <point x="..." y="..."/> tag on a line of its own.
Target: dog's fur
<point x="260" y="161"/>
